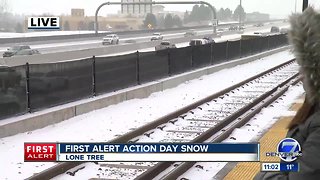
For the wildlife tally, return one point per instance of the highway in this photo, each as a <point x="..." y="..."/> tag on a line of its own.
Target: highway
<point x="53" y="51"/>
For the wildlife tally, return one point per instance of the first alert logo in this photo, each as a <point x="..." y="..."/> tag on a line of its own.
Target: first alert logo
<point x="40" y="152"/>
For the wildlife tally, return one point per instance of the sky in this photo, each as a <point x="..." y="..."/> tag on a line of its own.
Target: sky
<point x="57" y="7"/>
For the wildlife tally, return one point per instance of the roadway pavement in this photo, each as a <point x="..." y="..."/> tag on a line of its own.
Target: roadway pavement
<point x="81" y="48"/>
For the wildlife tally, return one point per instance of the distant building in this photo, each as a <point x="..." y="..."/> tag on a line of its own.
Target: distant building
<point x="157" y="9"/>
<point x="136" y="10"/>
<point x="77" y="12"/>
<point x="256" y="16"/>
<point x="78" y="21"/>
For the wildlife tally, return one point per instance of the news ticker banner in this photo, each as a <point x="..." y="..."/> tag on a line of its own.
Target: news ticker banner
<point x="110" y="152"/>
<point x="283" y="167"/>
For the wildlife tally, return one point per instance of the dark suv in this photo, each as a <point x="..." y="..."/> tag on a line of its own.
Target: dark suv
<point x="209" y="39"/>
<point x="275" y="29"/>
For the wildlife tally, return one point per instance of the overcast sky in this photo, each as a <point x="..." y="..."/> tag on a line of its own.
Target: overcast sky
<point x="57" y="7"/>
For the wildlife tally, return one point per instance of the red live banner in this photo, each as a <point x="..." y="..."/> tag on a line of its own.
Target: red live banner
<point x="40" y="152"/>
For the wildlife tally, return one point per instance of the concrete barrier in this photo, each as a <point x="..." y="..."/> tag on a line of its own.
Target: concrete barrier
<point x="85" y="107"/>
<point x="37" y="120"/>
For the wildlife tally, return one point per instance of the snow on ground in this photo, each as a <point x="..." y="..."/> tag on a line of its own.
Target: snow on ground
<point x="104" y="124"/>
<point x="250" y="132"/>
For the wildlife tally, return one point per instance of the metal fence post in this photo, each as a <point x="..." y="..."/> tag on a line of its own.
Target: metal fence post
<point x="94" y="76"/>
<point x="268" y="37"/>
<point x="227" y="47"/>
<point x="138" y="68"/>
<point x="192" y="56"/>
<point x="211" y="60"/>
<point x="28" y="88"/>
<point x="169" y="62"/>
<point x="240" y="48"/>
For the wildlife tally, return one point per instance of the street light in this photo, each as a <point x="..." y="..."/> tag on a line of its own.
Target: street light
<point x="240" y="14"/>
<point x="304" y="4"/>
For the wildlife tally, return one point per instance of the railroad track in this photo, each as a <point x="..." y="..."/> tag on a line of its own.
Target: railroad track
<point x="211" y="119"/>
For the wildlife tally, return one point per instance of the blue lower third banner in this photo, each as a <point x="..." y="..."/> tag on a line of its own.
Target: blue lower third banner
<point x="205" y="152"/>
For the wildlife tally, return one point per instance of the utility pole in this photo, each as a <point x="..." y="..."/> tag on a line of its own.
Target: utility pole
<point x="295" y="6"/>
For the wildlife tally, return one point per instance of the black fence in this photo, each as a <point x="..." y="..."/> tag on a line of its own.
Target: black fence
<point x="33" y="87"/>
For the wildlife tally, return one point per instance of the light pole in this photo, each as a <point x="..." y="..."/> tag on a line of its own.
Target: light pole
<point x="304" y="4"/>
<point x="240" y="14"/>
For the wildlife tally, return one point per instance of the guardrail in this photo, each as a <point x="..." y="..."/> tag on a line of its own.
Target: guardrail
<point x="31" y="87"/>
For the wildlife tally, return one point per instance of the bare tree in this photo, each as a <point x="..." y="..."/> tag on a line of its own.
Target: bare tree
<point x="4" y="6"/>
<point x="5" y="16"/>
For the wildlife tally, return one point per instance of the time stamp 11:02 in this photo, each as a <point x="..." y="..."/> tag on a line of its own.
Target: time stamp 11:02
<point x="284" y="167"/>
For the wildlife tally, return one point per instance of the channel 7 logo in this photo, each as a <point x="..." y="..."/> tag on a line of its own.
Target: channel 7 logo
<point x="288" y="150"/>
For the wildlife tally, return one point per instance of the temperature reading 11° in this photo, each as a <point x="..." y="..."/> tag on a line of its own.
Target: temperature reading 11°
<point x="290" y="166"/>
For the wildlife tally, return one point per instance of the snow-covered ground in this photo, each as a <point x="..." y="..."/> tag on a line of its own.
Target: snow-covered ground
<point x="104" y="124"/>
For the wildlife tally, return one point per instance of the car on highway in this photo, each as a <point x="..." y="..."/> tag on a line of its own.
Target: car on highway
<point x="284" y="30"/>
<point x="220" y="30"/>
<point x="233" y="28"/>
<point x="20" y="51"/>
<point x="197" y="42"/>
<point x="156" y="36"/>
<point x="165" y="45"/>
<point x="241" y="28"/>
<point x="190" y="33"/>
<point x="259" y="25"/>
<point x="110" y="39"/>
<point x="274" y="29"/>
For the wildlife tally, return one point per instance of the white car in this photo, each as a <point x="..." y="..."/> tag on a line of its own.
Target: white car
<point x="110" y="39"/>
<point x="165" y="45"/>
<point x="156" y="36"/>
